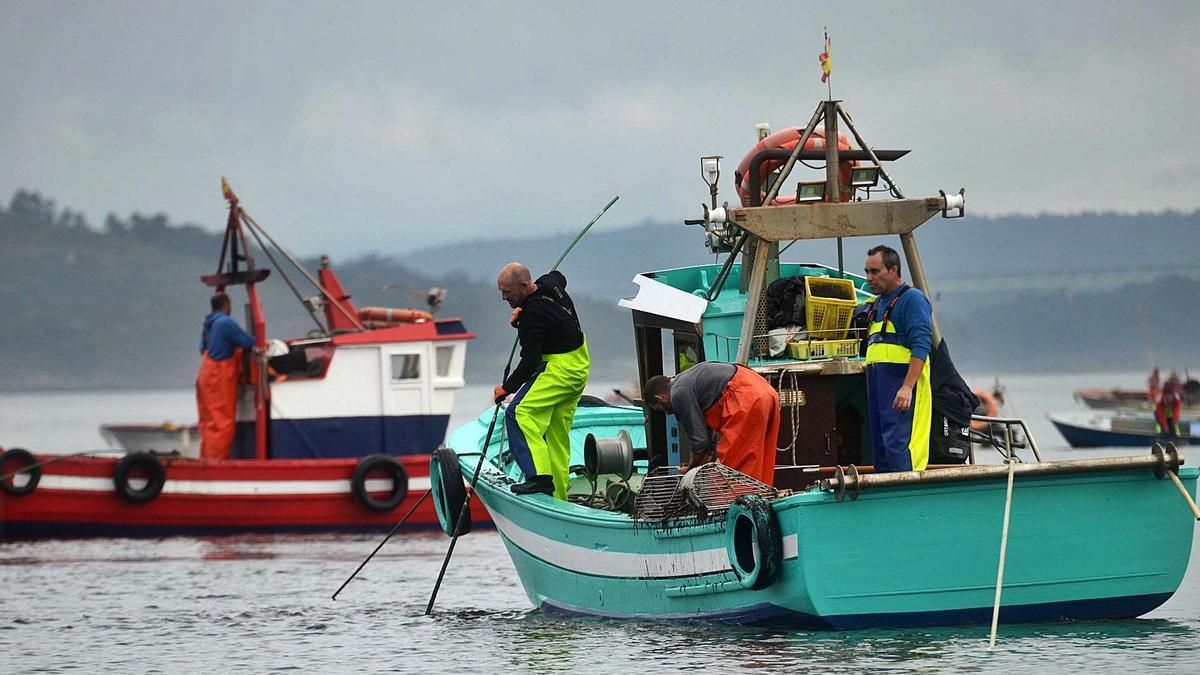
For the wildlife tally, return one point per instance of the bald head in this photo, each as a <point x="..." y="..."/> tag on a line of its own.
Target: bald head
<point x="515" y="283"/>
<point x="514" y="273"/>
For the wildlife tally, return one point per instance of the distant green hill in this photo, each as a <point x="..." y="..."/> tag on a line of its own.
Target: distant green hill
<point x="120" y="306"/>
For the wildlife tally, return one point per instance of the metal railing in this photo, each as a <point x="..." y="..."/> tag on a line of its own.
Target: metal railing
<point x="1009" y="443"/>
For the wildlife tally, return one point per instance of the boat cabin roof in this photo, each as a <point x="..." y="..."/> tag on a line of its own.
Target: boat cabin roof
<point x="449" y="328"/>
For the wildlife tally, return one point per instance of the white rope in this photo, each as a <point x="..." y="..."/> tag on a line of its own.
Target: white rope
<point x="1003" y="548"/>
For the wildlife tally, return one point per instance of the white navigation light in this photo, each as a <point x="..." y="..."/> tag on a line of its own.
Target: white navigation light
<point x="864" y="176"/>
<point x="710" y="169"/>
<point x="763" y="129"/>
<point x="810" y="191"/>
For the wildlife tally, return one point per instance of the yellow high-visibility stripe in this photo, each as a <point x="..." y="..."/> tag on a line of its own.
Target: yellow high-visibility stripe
<point x="883" y="352"/>
<point x="918" y="442"/>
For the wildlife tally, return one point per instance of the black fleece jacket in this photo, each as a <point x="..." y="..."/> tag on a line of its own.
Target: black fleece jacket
<point x="547" y="324"/>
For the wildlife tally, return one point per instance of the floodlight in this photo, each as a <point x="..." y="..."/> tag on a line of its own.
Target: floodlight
<point x="864" y="176"/>
<point x="810" y="191"/>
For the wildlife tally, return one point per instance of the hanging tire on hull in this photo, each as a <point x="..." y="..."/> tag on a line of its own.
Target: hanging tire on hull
<point x="379" y="464"/>
<point x="137" y="465"/>
<point x="755" y="546"/>
<point x="14" y="460"/>
<point x="449" y="492"/>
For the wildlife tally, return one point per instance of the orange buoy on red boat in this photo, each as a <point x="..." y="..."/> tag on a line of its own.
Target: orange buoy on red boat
<point x="392" y="315"/>
<point x="786" y="139"/>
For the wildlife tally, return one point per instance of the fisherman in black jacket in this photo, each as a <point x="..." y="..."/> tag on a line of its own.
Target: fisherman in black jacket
<point x="548" y="381"/>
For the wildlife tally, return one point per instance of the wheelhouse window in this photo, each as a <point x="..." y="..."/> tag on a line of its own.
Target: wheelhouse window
<point x="445" y="356"/>
<point x="406" y="367"/>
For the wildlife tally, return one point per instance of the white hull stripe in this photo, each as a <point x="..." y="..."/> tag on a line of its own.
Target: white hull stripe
<point x="230" y="487"/>
<point x="602" y="563"/>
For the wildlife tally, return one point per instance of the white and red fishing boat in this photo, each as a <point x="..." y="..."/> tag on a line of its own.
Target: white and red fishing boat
<point x="334" y="431"/>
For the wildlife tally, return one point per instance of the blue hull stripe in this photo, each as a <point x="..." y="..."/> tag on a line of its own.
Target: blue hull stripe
<point x="346" y="436"/>
<point x="1126" y="607"/>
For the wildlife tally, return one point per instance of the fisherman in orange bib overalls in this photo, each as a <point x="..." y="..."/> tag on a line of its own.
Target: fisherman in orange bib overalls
<point x="221" y="343"/>
<point x="732" y="400"/>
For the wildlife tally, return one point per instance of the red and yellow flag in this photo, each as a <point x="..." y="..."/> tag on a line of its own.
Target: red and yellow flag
<point x="826" y="66"/>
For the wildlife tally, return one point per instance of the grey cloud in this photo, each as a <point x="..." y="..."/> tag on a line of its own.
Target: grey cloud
<point x="356" y="126"/>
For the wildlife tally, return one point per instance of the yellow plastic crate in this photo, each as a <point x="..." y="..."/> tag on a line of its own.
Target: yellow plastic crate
<point x="822" y="349"/>
<point x="829" y="307"/>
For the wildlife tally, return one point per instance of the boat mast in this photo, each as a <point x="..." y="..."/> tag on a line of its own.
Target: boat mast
<point x="833" y="189"/>
<point x="766" y="225"/>
<point x="231" y="275"/>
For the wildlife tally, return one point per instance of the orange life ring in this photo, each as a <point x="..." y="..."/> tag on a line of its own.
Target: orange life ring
<point x="392" y="315"/>
<point x="786" y="139"/>
<point x="990" y="408"/>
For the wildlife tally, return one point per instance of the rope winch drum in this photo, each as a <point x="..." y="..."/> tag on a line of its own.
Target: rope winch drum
<point x="610" y="455"/>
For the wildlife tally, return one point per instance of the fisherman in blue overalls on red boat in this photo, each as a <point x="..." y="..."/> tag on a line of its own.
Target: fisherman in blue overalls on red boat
<point x="899" y="338"/>
<point x="221" y="343"/>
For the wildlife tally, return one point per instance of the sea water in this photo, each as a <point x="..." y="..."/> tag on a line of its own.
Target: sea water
<point x="260" y="603"/>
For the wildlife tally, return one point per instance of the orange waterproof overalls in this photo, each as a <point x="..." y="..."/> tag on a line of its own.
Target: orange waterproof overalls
<point x="747" y="417"/>
<point x="216" y="400"/>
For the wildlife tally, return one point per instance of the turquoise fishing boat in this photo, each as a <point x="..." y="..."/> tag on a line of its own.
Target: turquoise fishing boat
<point x="831" y="545"/>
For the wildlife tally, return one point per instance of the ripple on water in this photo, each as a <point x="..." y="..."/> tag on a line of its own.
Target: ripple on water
<point x="181" y="608"/>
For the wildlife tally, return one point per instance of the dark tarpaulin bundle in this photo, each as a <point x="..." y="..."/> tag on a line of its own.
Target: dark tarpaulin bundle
<point x="785" y="302"/>
<point x="951" y="395"/>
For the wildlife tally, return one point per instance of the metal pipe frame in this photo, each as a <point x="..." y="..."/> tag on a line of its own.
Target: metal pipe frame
<point x="791" y="161"/>
<point x="853" y="481"/>
<point x="1009" y="423"/>
<point x="753" y="174"/>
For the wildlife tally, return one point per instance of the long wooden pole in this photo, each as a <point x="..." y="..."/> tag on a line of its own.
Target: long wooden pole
<point x="381" y="543"/>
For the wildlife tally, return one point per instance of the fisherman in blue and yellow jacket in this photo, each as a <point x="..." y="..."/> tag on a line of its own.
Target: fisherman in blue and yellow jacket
<point x="898" y="342"/>
<point x="548" y="381"/>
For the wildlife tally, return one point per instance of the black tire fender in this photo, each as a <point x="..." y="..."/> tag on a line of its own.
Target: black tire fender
<point x="16" y="459"/>
<point x="449" y="492"/>
<point x="156" y="476"/>
<point x="754" y="543"/>
<point x="358" y="483"/>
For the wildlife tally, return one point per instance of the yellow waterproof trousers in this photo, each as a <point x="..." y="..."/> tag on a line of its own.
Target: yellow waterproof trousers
<point x="539" y="418"/>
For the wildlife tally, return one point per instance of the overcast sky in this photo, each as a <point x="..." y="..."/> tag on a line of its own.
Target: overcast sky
<point x="354" y="127"/>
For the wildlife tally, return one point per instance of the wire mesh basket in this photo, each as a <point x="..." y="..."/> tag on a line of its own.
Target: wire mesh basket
<point x="660" y="498"/>
<point x="712" y="488"/>
<point x="703" y="492"/>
